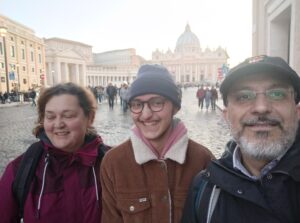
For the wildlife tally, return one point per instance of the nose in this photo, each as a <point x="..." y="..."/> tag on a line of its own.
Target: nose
<point x="261" y="104"/>
<point x="58" y="123"/>
<point x="146" y="112"/>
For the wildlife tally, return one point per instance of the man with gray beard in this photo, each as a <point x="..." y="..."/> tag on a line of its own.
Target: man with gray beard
<point x="258" y="177"/>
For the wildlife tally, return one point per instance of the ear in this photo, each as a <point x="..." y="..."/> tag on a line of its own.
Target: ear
<point x="298" y="111"/>
<point x="225" y="114"/>
<point x="175" y="110"/>
<point x="91" y="118"/>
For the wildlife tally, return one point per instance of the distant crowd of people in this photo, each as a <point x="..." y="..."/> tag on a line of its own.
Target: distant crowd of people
<point x="112" y="93"/>
<point x="207" y="95"/>
<point x="15" y="96"/>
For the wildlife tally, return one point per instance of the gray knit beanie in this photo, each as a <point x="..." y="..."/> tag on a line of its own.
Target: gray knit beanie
<point x="155" y="79"/>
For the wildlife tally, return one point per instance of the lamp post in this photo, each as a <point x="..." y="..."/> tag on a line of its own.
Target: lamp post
<point x="3" y="31"/>
<point x="19" y="94"/>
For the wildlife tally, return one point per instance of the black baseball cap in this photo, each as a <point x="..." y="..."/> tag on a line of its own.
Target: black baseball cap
<point x="259" y="64"/>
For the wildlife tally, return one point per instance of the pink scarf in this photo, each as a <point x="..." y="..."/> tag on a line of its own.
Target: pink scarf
<point x="178" y="130"/>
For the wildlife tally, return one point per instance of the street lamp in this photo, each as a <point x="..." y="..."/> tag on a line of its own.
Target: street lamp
<point x="3" y="31"/>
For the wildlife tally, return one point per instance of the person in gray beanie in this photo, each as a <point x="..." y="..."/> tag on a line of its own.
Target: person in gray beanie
<point x="146" y="178"/>
<point x="155" y="79"/>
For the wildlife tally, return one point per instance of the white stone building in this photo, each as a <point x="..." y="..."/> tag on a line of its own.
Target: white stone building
<point x="66" y="61"/>
<point x="189" y="63"/>
<point x="276" y="30"/>
<point x="114" y="66"/>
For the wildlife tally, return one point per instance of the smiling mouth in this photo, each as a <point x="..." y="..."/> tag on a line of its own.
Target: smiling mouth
<point x="149" y="123"/>
<point x="61" y="133"/>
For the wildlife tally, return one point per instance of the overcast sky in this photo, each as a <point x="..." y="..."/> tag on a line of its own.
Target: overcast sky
<point x="141" y="24"/>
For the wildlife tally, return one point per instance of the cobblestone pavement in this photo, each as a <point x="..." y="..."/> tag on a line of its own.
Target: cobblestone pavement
<point x="204" y="126"/>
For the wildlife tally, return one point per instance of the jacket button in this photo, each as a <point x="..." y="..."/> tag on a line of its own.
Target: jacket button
<point x="269" y="176"/>
<point x="207" y="174"/>
<point x="165" y="198"/>
<point x="240" y="191"/>
<point x="131" y="208"/>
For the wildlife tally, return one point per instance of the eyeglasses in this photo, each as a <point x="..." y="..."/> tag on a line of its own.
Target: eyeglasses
<point x="155" y="104"/>
<point x="249" y="96"/>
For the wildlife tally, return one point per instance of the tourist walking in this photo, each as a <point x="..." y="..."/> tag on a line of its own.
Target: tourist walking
<point x="123" y="96"/>
<point x="33" y="97"/>
<point x="214" y="97"/>
<point x="207" y="97"/>
<point x="111" y="93"/>
<point x="200" y="95"/>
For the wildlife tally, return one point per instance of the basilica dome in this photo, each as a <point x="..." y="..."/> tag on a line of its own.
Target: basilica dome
<point x="187" y="42"/>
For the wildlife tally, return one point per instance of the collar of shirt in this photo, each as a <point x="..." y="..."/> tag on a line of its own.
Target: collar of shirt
<point x="237" y="164"/>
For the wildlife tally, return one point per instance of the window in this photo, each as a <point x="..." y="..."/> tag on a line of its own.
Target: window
<point x="24" y="68"/>
<point x="32" y="69"/>
<point x="23" y="54"/>
<point x="31" y="55"/>
<point x="2" y="65"/>
<point x="1" y="48"/>
<point x="40" y="58"/>
<point x="22" y="42"/>
<point x="12" y="51"/>
<point x="12" y="38"/>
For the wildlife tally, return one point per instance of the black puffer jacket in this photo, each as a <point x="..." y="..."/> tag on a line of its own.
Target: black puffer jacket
<point x="273" y="199"/>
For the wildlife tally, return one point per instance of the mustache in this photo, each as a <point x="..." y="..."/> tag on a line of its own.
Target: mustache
<point x="262" y="120"/>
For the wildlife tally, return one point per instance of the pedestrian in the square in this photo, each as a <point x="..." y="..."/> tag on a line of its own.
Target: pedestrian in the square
<point x="33" y="97"/>
<point x="258" y="177"/>
<point x="65" y="186"/>
<point x="146" y="178"/>
<point x="123" y="96"/>
<point x="207" y="97"/>
<point x="214" y="97"/>
<point x="111" y="94"/>
<point x="200" y="95"/>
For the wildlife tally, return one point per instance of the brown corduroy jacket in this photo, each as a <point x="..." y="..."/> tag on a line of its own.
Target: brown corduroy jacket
<point x="139" y="188"/>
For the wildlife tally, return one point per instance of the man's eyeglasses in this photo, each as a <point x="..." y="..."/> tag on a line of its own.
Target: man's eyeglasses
<point x="249" y="96"/>
<point x="155" y="104"/>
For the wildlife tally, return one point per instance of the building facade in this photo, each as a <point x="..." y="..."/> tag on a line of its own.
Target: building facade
<point x="114" y="67"/>
<point x="22" y="57"/>
<point x="189" y="63"/>
<point x="66" y="61"/>
<point x="276" y="30"/>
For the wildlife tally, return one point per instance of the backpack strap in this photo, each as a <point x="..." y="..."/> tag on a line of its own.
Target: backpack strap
<point x="102" y="149"/>
<point x="206" y="199"/>
<point x="25" y="174"/>
<point x="212" y="202"/>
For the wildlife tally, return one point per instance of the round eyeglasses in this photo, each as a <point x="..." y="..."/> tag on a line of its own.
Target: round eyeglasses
<point x="155" y="104"/>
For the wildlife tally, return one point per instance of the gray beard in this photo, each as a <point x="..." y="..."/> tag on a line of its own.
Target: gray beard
<point x="264" y="149"/>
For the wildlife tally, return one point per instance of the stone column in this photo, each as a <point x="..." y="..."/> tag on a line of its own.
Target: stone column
<point x="77" y="80"/>
<point x="57" y="73"/>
